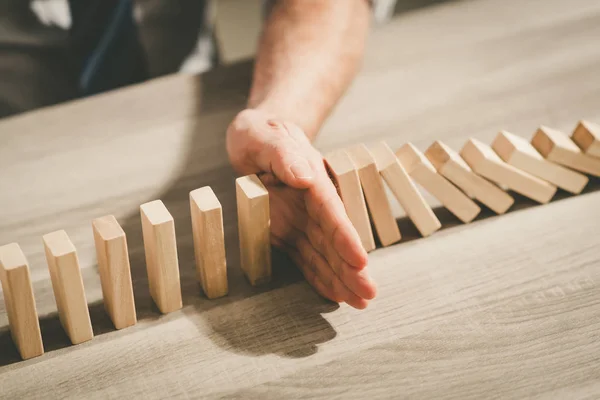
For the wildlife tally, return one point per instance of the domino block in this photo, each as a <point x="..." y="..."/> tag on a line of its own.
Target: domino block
<point x="345" y="177"/>
<point x="162" y="263"/>
<point x="374" y="191"/>
<point x="519" y="153"/>
<point x="67" y="285"/>
<point x="254" y="227"/>
<point x="19" y="301"/>
<point x="421" y="170"/>
<point x="404" y="189"/>
<point x="115" y="272"/>
<point x="587" y="136"/>
<point x="451" y="166"/>
<point x="485" y="162"/>
<point x="559" y="148"/>
<point x="209" y="242"/>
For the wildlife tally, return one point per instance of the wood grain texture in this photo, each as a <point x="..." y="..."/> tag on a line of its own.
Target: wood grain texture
<point x="519" y="153"/>
<point x="504" y="307"/>
<point x="347" y="181"/>
<point x="162" y="263"/>
<point x="423" y="172"/>
<point x="372" y="185"/>
<point x="449" y="163"/>
<point x="485" y="162"/>
<point x="254" y="222"/>
<point x="67" y="286"/>
<point x="19" y="301"/>
<point x="209" y="242"/>
<point x="559" y="148"/>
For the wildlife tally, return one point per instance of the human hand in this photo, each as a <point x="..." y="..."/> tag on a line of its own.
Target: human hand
<point x="308" y="219"/>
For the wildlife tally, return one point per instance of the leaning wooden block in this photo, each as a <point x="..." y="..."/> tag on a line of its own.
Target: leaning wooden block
<point x="587" y="136"/>
<point x="67" y="285"/>
<point x="451" y="166"/>
<point x="404" y="189"/>
<point x="209" y="242"/>
<point x="162" y="263"/>
<point x="19" y="301"/>
<point x="254" y="227"/>
<point x="485" y="162"/>
<point x="559" y="148"/>
<point x="374" y="191"/>
<point x="519" y="153"/>
<point x="345" y="177"/>
<point x="115" y="272"/>
<point x="421" y="170"/>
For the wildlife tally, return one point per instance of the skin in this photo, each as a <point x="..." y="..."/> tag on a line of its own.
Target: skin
<point x="308" y="54"/>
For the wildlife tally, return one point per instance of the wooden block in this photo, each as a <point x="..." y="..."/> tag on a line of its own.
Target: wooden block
<point x="519" y="153"/>
<point x="345" y="177"/>
<point x="404" y="189"/>
<point x="587" y="136"/>
<point x="254" y="227"/>
<point x="485" y="162"/>
<point x="421" y="170"/>
<point x="67" y="285"/>
<point x="374" y="191"/>
<point x="19" y="301"/>
<point x="559" y="148"/>
<point x="209" y="242"/>
<point x="115" y="272"/>
<point x="451" y="166"/>
<point x="162" y="264"/>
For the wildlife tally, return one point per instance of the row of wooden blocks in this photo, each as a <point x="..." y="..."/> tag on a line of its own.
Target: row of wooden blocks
<point x="162" y="264"/>
<point x="479" y="172"/>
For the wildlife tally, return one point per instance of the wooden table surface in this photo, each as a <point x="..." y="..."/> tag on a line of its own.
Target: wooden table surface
<point x="505" y="307"/>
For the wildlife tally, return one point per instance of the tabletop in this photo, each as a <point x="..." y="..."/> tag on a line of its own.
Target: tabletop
<point x="504" y="307"/>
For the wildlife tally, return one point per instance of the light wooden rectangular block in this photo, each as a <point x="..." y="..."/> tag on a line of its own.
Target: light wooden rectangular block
<point x="374" y="191"/>
<point x="115" y="272"/>
<point x="19" y="301"/>
<point x="162" y="263"/>
<point x="67" y="285"/>
<point x="451" y="166"/>
<point x="519" y="153"/>
<point x="421" y="170"/>
<point x="417" y="209"/>
<point x="559" y="148"/>
<point x="485" y="162"/>
<point x="209" y="242"/>
<point x="345" y="176"/>
<point x="587" y="136"/>
<point x="254" y="227"/>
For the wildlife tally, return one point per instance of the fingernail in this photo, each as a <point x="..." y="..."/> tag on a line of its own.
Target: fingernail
<point x="301" y="169"/>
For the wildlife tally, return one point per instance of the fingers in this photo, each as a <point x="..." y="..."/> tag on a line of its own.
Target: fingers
<point x="358" y="281"/>
<point x="324" y="206"/>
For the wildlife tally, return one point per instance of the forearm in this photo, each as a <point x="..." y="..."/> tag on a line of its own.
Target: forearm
<point x="308" y="54"/>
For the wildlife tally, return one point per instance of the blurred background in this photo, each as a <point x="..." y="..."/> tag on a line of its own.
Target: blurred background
<point x="57" y="50"/>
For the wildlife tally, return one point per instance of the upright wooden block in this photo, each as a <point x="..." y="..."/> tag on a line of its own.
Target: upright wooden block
<point x="374" y="191"/>
<point x="557" y="147"/>
<point x="519" y="153"/>
<point x="485" y="162"/>
<point x="162" y="263"/>
<point x="421" y="170"/>
<point x="254" y="227"/>
<point x="451" y="166"/>
<point x="19" y="301"/>
<point x="587" y="136"/>
<point x="115" y="272"/>
<point x="67" y="285"/>
<point x="345" y="176"/>
<point x="209" y="242"/>
<point x="404" y="189"/>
